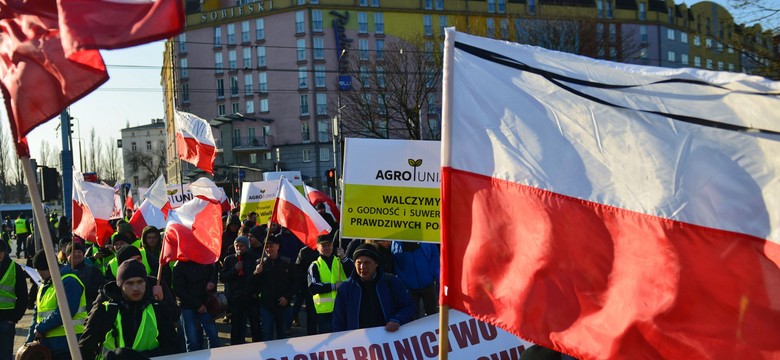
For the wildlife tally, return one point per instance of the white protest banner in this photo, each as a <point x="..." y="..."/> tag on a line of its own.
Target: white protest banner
<point x="176" y="196"/>
<point x="294" y="177"/>
<point x="258" y="196"/>
<point x="469" y="339"/>
<point x="396" y="198"/>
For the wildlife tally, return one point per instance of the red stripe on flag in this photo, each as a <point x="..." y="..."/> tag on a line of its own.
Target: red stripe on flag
<point x="607" y="281"/>
<point x="295" y="220"/>
<point x="198" y="154"/>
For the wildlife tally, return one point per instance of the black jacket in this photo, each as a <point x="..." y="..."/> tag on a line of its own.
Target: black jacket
<point x="100" y="322"/>
<point x="20" y="289"/>
<point x="91" y="277"/>
<point x="239" y="287"/>
<point x="189" y="283"/>
<point x="276" y="280"/>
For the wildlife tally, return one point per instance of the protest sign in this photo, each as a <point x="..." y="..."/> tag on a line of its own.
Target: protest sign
<point x="258" y="196"/>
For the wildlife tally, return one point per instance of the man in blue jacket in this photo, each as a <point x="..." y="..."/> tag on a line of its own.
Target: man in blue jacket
<point x="417" y="265"/>
<point x="371" y="298"/>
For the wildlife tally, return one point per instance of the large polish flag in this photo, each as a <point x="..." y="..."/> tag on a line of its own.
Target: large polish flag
<point x="194" y="230"/>
<point x="92" y="206"/>
<point x="316" y="196"/>
<point x="194" y="141"/>
<point x="294" y="212"/>
<point x="153" y="210"/>
<point x="607" y="210"/>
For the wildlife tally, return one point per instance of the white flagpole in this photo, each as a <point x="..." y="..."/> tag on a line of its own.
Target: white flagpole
<point x="51" y="260"/>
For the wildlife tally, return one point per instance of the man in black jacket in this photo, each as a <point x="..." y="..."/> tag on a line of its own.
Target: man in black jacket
<point x="126" y="315"/>
<point x="241" y="292"/>
<point x="192" y="283"/>
<point x="276" y="281"/>
<point x="13" y="300"/>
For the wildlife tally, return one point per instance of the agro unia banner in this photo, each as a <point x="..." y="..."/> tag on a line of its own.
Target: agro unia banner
<point x="391" y="190"/>
<point x="469" y="339"/>
<point x="177" y="194"/>
<point x="258" y="196"/>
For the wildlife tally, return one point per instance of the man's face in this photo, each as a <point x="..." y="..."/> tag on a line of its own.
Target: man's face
<point x="152" y="239"/>
<point x="233" y="228"/>
<point x="240" y="248"/>
<point x="274" y="227"/>
<point x="134" y="289"/>
<point x="76" y="257"/>
<point x="254" y="241"/>
<point x="253" y="217"/>
<point x="365" y="267"/>
<point x="325" y="249"/>
<point x="45" y="274"/>
<point x="128" y="213"/>
<point x="272" y="250"/>
<point x="118" y="245"/>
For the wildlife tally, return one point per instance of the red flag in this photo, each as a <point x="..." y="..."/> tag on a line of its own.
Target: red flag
<point x="114" y="24"/>
<point x="92" y="207"/>
<point x="194" y="141"/>
<point x="153" y="210"/>
<point x="129" y="203"/>
<point x="316" y="196"/>
<point x="194" y="230"/>
<point x="38" y="81"/>
<point x="610" y="211"/>
<point x="295" y="213"/>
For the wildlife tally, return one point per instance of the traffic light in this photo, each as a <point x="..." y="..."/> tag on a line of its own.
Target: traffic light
<point x="49" y="183"/>
<point x="331" y="176"/>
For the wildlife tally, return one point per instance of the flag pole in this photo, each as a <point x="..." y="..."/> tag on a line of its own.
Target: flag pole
<point x="159" y="260"/>
<point x="273" y="212"/>
<point x="51" y="260"/>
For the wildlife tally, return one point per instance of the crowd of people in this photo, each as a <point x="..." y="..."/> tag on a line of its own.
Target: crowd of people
<point x="122" y="299"/>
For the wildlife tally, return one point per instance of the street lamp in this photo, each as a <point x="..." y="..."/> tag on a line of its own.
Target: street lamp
<point x="337" y="133"/>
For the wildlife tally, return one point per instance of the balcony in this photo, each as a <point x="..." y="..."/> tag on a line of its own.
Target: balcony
<point x="247" y="143"/>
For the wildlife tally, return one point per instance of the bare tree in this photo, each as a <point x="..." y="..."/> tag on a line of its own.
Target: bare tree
<point x="111" y="160"/>
<point x="766" y="12"/>
<point x="391" y="90"/>
<point x="94" y="147"/>
<point x="146" y="165"/>
<point x="5" y="164"/>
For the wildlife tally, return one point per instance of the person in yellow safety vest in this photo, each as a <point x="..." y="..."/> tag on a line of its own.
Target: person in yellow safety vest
<point x="47" y="325"/>
<point x="126" y="229"/>
<point x="126" y="315"/>
<point x="325" y="276"/>
<point x="13" y="300"/>
<point x="22" y="230"/>
<point x="131" y="252"/>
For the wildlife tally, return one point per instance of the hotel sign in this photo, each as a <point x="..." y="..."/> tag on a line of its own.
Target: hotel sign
<point x="235" y="12"/>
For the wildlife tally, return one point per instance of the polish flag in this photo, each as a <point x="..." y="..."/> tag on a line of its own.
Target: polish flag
<point x="129" y="203"/>
<point x="114" y="24"/>
<point x="194" y="230"/>
<point x="294" y="212"/>
<point x="92" y="207"/>
<point x="206" y="188"/>
<point x="607" y="210"/>
<point x="316" y="196"/>
<point x="194" y="141"/>
<point x="153" y="210"/>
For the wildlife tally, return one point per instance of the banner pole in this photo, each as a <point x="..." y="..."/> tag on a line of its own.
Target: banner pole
<point x="444" y="337"/>
<point x="51" y="260"/>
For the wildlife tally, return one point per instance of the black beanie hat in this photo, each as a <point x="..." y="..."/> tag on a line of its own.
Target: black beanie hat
<point x="39" y="261"/>
<point x="77" y="246"/>
<point x="126" y="252"/>
<point x="120" y="237"/>
<point x="366" y="250"/>
<point x="258" y="232"/>
<point x="130" y="269"/>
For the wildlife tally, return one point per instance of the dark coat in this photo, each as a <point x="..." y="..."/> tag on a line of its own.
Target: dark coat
<point x="277" y="280"/>
<point x="395" y="301"/>
<point x="189" y="283"/>
<point x="239" y="287"/>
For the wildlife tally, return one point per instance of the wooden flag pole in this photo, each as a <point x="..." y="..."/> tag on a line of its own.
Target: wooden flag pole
<point x="51" y="260"/>
<point x="444" y="337"/>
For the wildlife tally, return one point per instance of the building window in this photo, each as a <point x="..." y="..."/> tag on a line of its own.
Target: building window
<point x="427" y="25"/>
<point x="316" y="20"/>
<point x="217" y="36"/>
<point x="363" y="3"/>
<point x="643" y="34"/>
<point x="440" y="4"/>
<point x="379" y="23"/>
<point x="719" y="45"/>
<point x="299" y="24"/>
<point x="183" y="42"/>
<point x="247" y="57"/>
<point x="306" y="155"/>
<point x="709" y="64"/>
<point x="642" y="11"/>
<point x="305" y="132"/>
<point x="235" y="108"/>
<point x="599" y="30"/>
<point x="670" y="56"/>
<point x="599" y="9"/>
<point x="609" y="8"/>
<point x="319" y="76"/>
<point x="322" y="131"/>
<point x="428" y="4"/>
<point x="380" y="77"/>
<point x="319" y="48"/>
<point x="253" y="158"/>
<point x="491" y="6"/>
<point x="322" y="104"/>
<point x="324" y="154"/>
<point x="442" y="24"/>
<point x="532" y="7"/>
<point x="697" y="61"/>
<point x="643" y="53"/>
<point x="232" y="65"/>
<point x="708" y="43"/>
<point x="670" y="34"/>
<point x="301" y="46"/>
<point x="362" y="23"/>
<point x="303" y="78"/>
<point x="236" y="137"/>
<point x="612" y="52"/>
<point x="262" y="82"/>
<point x="304" y="104"/>
<point x="260" y="29"/>
<point x="380" y="49"/>
<point x="231" y="34"/>
<point x="431" y="101"/>
<point x="185" y="92"/>
<point x="218" y="65"/>
<point x="264" y="105"/>
<point x="248" y="91"/>
<point x="720" y="66"/>
<point x="504" y="28"/>
<point x="501" y="6"/>
<point x="684" y="59"/>
<point x="490" y="30"/>
<point x="364" y="79"/>
<point x="250" y="106"/>
<point x="731" y="67"/>
<point x="696" y="40"/>
<point x="363" y="49"/>
<point x="148" y="145"/>
<point x="381" y="104"/>
<point x="134" y="147"/>
<point x="683" y="37"/>
<point x="183" y="68"/>
<point x="221" y="109"/>
<point x="234" y="86"/>
<point x="731" y="49"/>
<point x="375" y="3"/>
<point x="261" y="56"/>
<point x="245" y="31"/>
<point x="220" y="89"/>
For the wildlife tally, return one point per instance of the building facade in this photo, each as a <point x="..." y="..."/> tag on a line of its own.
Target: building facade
<point x="267" y="73"/>
<point x="144" y="153"/>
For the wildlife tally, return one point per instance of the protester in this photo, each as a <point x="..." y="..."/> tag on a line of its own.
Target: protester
<point x="63" y="227"/>
<point x="89" y="275"/>
<point x="246" y="225"/>
<point x="256" y="238"/>
<point x="126" y="315"/>
<point x="240" y="290"/>
<point x="275" y="277"/>
<point x="322" y="210"/>
<point x="127" y="252"/>
<point x="229" y="235"/>
<point x="326" y="274"/>
<point x="22" y="230"/>
<point x="47" y="325"/>
<point x="192" y="282"/>
<point x="306" y="256"/>
<point x="371" y="298"/>
<point x="417" y="264"/>
<point x="13" y="300"/>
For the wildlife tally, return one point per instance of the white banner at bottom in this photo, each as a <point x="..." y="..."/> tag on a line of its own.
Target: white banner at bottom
<point x="469" y="339"/>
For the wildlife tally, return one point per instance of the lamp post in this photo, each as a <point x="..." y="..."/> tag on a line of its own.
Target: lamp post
<point x="337" y="133"/>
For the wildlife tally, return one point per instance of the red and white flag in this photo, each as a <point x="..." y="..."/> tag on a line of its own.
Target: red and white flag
<point x="153" y="210"/>
<point x="114" y="24"/>
<point x="194" y="141"/>
<point x="194" y="230"/>
<point x="611" y="211"/>
<point x="294" y="212"/>
<point x="316" y="196"/>
<point x="92" y="207"/>
<point x="129" y="203"/>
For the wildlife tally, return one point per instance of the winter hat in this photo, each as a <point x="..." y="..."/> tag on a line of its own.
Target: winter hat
<point x="234" y="220"/>
<point x="77" y="246"/>
<point x="248" y="224"/>
<point x="369" y="250"/>
<point x="130" y="269"/>
<point x="537" y="352"/>
<point x="242" y="239"/>
<point x="320" y="206"/>
<point x="149" y="230"/>
<point x="119" y="237"/>
<point x="258" y="232"/>
<point x="126" y="252"/>
<point x="124" y="228"/>
<point x="39" y="261"/>
<point x="324" y="238"/>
